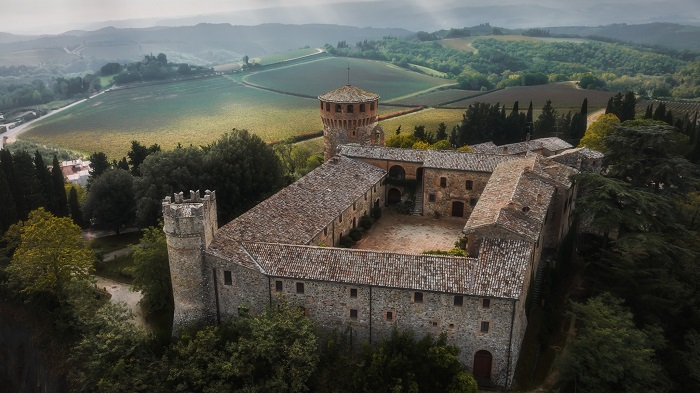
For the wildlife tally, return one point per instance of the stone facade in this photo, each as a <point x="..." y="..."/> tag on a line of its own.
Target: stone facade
<point x="452" y="193"/>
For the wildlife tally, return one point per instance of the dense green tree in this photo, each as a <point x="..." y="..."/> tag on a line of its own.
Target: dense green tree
<point x="165" y="173"/>
<point x="76" y="213"/>
<point x="529" y="122"/>
<point x="110" y="203"/>
<point x="138" y="154"/>
<point x="8" y="209"/>
<point x="609" y="353"/>
<point x="645" y="154"/>
<point x="29" y="195"/>
<point x="628" y="107"/>
<point x="243" y="170"/>
<point x="98" y="164"/>
<point x="441" y="133"/>
<point x="482" y="122"/>
<point x="43" y="176"/>
<point x="598" y="130"/>
<point x="547" y="121"/>
<point x="400" y="363"/>
<point x="401" y="140"/>
<point x="151" y="272"/>
<point x="51" y="254"/>
<point x="59" y="189"/>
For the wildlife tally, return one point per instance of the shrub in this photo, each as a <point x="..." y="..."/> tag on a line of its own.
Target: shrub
<point x="367" y="221"/>
<point x="355" y="234"/>
<point x="405" y="207"/>
<point x="346" y="241"/>
<point x="461" y="243"/>
<point x="376" y="212"/>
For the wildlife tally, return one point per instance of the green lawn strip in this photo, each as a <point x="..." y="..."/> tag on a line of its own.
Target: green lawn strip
<point x="117" y="269"/>
<point x="108" y="244"/>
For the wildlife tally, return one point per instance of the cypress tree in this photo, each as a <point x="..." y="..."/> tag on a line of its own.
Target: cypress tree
<point x="617" y="105"/>
<point x="8" y="209"/>
<point x="649" y="113"/>
<point x="628" y="107"/>
<point x="669" y="118"/>
<point x="528" y="121"/>
<point x="59" y="189"/>
<point x="547" y="120"/>
<point x="609" y="107"/>
<point x="28" y="186"/>
<point x="660" y="112"/>
<point x="45" y="184"/>
<point x="123" y="164"/>
<point x="75" y="213"/>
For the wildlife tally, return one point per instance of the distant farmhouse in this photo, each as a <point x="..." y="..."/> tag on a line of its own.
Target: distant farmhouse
<point x="513" y="202"/>
<point x="76" y="171"/>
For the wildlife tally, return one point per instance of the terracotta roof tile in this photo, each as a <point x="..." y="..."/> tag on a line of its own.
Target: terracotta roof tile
<point x="502" y="268"/>
<point x="300" y="211"/>
<point x="348" y="94"/>
<point x="552" y="144"/>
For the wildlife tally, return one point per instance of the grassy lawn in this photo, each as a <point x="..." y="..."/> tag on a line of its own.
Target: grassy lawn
<point x="116" y="269"/>
<point x="279" y="57"/>
<point x="428" y="71"/>
<point x="430" y="118"/>
<point x="438" y="97"/>
<point x="105" y="81"/>
<point x="108" y="244"/>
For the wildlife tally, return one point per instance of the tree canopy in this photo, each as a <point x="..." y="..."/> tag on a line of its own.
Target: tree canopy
<point x="110" y="203"/>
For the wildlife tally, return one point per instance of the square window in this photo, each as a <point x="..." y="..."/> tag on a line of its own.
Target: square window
<point x="389" y="316"/>
<point x="472" y="201"/>
<point x="486" y="303"/>
<point x="228" y="279"/>
<point x="371" y="106"/>
<point x="300" y="287"/>
<point x="338" y="108"/>
<point x="443" y="182"/>
<point x="353" y="313"/>
<point x="418" y="297"/>
<point x="362" y="107"/>
<point x="278" y="286"/>
<point x="459" y="300"/>
<point x="434" y="323"/>
<point x="328" y="107"/>
<point x="470" y="184"/>
<point x="452" y="326"/>
<point x="353" y="292"/>
<point x="431" y="197"/>
<point x="350" y="108"/>
<point x="484" y="327"/>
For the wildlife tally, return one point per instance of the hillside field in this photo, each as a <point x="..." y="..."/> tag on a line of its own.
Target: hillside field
<point x="465" y="43"/>
<point x="319" y="76"/>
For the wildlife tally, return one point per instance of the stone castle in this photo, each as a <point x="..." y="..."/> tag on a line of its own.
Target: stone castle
<point x="515" y="202"/>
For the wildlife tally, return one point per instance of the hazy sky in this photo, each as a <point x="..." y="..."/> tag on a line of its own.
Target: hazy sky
<point x="55" y="16"/>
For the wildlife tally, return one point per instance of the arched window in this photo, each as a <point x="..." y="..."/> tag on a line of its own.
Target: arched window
<point x="397" y="172"/>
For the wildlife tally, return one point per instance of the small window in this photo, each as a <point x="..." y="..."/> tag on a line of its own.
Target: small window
<point x="371" y="106"/>
<point x="452" y="326"/>
<point x="459" y="300"/>
<point x="353" y="292"/>
<point x="278" y="286"/>
<point x="443" y="182"/>
<point x="431" y="197"/>
<point x="362" y="107"/>
<point x="486" y="303"/>
<point x="328" y="107"/>
<point x="354" y="206"/>
<point x="300" y="287"/>
<point x="365" y="195"/>
<point x="472" y="201"/>
<point x="353" y="313"/>
<point x="484" y="327"/>
<point x="340" y="218"/>
<point x="418" y="297"/>
<point x="434" y="323"/>
<point x="350" y="108"/>
<point x="389" y="316"/>
<point x="325" y="231"/>
<point x="228" y="280"/>
<point x="470" y="184"/>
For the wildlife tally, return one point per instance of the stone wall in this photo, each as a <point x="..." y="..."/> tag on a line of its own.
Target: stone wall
<point x="438" y="199"/>
<point x="349" y="124"/>
<point x="340" y="227"/>
<point x="246" y="292"/>
<point x="366" y="310"/>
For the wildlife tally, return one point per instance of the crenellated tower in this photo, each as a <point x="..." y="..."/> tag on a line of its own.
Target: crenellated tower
<point x="349" y="115"/>
<point x="189" y="226"/>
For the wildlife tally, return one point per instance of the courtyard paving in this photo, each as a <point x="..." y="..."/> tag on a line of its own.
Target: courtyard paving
<point x="411" y="234"/>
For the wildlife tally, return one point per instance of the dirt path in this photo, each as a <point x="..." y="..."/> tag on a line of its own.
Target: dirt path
<point x="122" y="293"/>
<point x="595" y="115"/>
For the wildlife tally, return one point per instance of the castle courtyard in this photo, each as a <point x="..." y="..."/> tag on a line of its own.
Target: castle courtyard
<point x="401" y="233"/>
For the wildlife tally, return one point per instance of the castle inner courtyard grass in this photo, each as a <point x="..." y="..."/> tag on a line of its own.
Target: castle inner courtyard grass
<point x="411" y="234"/>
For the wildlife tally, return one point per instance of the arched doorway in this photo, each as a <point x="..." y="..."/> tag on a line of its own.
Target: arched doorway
<point x="482" y="365"/>
<point x="393" y="197"/>
<point x="457" y="209"/>
<point x="397" y="172"/>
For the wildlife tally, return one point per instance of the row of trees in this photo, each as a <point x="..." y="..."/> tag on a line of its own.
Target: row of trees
<point x="149" y="69"/>
<point x="15" y="94"/>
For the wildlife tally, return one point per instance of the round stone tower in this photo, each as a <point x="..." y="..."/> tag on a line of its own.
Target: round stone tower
<point x="189" y="226"/>
<point x="349" y="115"/>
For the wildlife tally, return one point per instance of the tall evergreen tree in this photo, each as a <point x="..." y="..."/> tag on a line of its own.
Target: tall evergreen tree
<point x="43" y="176"/>
<point x="75" y="213"/>
<point x="649" y="113"/>
<point x="529" y="124"/>
<point x="59" y="189"/>
<point x="609" y="107"/>
<point x="8" y="209"/>
<point x="441" y="133"/>
<point x="628" y="107"/>
<point x="7" y="166"/>
<point x="660" y="112"/>
<point x="98" y="164"/>
<point x="546" y="121"/>
<point x="617" y="104"/>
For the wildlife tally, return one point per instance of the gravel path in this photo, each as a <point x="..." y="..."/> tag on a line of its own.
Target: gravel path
<point x="122" y="293"/>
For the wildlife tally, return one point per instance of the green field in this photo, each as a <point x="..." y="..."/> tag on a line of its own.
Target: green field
<point x="284" y="56"/>
<point x="465" y="43"/>
<point x="564" y="95"/>
<point x="188" y="112"/>
<point x="319" y="76"/>
<point x="438" y="97"/>
<point x="430" y="118"/>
